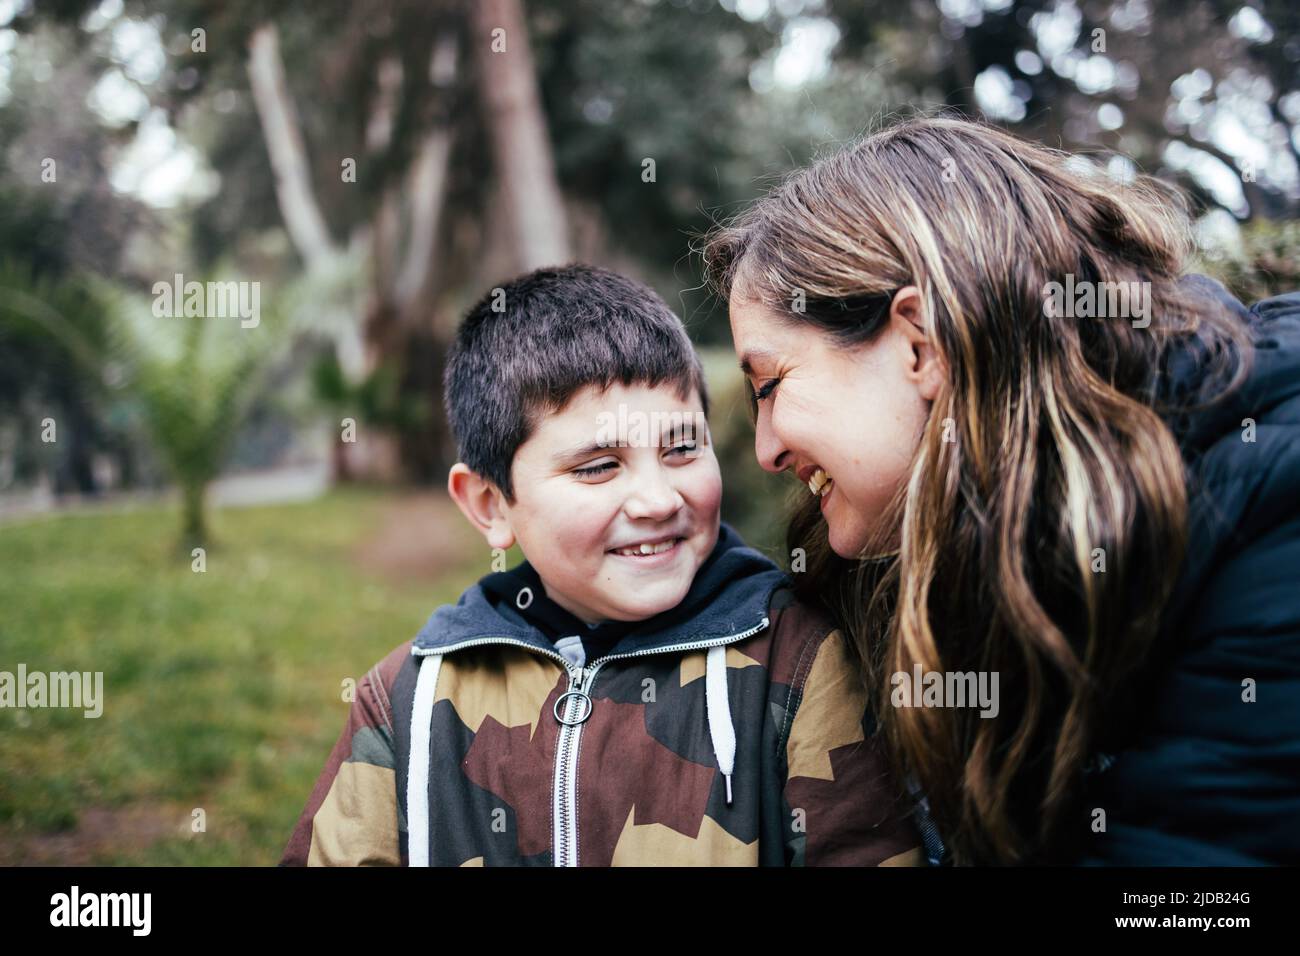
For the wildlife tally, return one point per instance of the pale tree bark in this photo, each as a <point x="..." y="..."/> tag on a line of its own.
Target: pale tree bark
<point x="403" y="260"/>
<point x="386" y="223"/>
<point x="426" y="189"/>
<point x="427" y="193"/>
<point x="294" y="195"/>
<point x="423" y="336"/>
<point x="302" y="216"/>
<point x="521" y="147"/>
<point x="396" y="323"/>
<point x="401" y="269"/>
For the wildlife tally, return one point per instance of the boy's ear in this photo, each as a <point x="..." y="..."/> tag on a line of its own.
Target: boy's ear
<point x="482" y="503"/>
<point x="925" y="368"/>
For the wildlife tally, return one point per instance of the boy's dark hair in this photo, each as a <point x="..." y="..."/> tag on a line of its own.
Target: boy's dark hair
<point x="554" y="332"/>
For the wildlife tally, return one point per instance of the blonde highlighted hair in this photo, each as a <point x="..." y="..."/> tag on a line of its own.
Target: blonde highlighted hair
<point x="1047" y="442"/>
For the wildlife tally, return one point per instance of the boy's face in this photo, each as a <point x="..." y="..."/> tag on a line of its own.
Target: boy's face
<point x="580" y="507"/>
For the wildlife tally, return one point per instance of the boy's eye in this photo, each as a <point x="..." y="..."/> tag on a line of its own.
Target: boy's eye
<point x="591" y="470"/>
<point x="686" y="447"/>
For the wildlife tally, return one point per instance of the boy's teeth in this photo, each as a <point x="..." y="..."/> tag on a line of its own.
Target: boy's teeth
<point x="819" y="483"/>
<point x="646" y="548"/>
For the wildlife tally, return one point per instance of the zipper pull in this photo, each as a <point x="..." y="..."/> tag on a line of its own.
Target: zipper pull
<point x="576" y="685"/>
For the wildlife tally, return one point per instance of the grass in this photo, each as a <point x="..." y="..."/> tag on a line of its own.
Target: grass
<point x="222" y="689"/>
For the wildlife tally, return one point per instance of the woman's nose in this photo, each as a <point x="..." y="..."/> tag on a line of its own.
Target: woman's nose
<point x="768" y="448"/>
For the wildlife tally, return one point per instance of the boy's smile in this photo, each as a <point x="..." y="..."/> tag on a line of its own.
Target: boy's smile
<point x="616" y="531"/>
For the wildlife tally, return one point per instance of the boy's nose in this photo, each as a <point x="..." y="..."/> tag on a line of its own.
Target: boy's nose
<point x="654" y="498"/>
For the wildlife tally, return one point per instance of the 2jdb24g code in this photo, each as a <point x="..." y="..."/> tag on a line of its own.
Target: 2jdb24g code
<point x="1195" y="898"/>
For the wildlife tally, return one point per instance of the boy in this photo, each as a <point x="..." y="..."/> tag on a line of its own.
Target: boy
<point x="641" y="690"/>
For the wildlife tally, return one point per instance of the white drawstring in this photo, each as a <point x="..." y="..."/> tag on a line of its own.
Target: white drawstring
<point x="417" y="777"/>
<point x="721" y="729"/>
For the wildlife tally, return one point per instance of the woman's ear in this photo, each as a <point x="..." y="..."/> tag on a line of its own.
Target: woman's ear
<point x="482" y="503"/>
<point x="924" y="367"/>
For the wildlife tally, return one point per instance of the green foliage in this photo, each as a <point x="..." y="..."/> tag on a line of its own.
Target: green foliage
<point x="1266" y="264"/>
<point x="192" y="379"/>
<point x="378" y="398"/>
<point x="51" y="331"/>
<point x="48" y="326"/>
<point x="195" y="379"/>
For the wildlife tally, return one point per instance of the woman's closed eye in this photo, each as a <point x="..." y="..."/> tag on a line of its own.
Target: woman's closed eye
<point x="765" y="389"/>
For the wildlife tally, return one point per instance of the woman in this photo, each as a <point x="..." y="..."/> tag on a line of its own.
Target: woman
<point x="1083" y="495"/>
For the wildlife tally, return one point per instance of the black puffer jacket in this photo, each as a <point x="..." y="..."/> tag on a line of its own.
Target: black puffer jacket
<point x="1203" y="775"/>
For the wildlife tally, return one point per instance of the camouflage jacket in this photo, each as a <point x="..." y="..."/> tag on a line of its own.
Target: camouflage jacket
<point x="739" y="735"/>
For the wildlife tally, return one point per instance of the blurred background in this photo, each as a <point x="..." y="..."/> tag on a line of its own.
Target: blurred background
<point x="230" y="519"/>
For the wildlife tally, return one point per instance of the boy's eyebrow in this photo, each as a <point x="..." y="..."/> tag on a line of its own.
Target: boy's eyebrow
<point x="571" y="456"/>
<point x="683" y="428"/>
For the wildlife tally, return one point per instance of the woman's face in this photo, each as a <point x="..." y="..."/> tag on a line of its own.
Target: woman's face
<point x="846" y="419"/>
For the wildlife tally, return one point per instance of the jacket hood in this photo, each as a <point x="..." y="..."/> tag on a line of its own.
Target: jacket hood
<point x="1229" y="492"/>
<point x="729" y="597"/>
<point x="1274" y="375"/>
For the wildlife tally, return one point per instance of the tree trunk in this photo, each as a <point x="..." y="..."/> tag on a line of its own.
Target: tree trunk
<point x="194" y="528"/>
<point x="521" y="146"/>
<point x="426" y="196"/>
<point x="302" y="215"/>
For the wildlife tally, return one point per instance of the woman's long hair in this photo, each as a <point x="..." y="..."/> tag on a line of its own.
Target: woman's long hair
<point x="1041" y="530"/>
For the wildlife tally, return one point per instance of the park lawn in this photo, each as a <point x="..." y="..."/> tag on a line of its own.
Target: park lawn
<point x="222" y="690"/>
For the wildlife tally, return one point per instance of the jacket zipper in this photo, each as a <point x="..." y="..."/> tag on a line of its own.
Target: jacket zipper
<point x="564" y="796"/>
